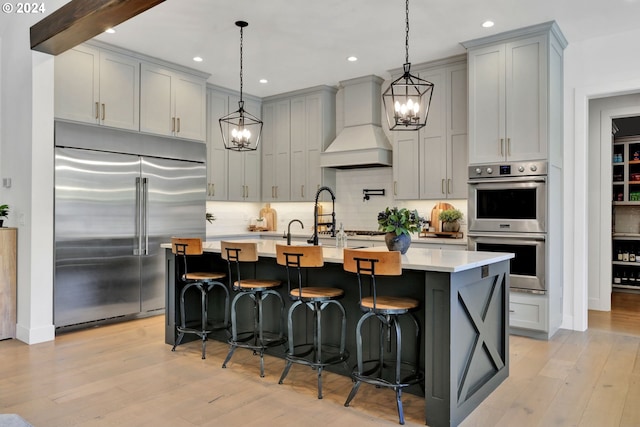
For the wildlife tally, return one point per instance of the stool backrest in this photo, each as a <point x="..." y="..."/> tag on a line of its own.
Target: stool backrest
<point x="183" y="247"/>
<point x="296" y="258"/>
<point x="235" y="253"/>
<point x="239" y="251"/>
<point x="371" y="264"/>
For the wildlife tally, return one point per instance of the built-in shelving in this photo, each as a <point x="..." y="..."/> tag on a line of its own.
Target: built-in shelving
<point x="625" y="268"/>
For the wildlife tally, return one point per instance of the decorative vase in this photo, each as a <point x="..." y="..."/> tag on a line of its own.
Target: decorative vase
<point x="451" y="227"/>
<point x="397" y="242"/>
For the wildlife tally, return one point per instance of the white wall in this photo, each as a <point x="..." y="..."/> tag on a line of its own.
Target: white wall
<point x="26" y="144"/>
<point x="594" y="68"/>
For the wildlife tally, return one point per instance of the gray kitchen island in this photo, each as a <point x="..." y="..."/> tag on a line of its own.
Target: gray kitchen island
<point x="464" y="316"/>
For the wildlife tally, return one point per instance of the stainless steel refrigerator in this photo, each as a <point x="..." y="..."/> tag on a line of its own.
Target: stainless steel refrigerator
<point x="112" y="212"/>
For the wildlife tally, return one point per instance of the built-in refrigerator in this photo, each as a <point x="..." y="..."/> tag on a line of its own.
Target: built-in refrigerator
<point x="112" y="212"/>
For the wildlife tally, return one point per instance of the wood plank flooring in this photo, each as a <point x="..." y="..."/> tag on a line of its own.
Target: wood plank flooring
<point x="124" y="375"/>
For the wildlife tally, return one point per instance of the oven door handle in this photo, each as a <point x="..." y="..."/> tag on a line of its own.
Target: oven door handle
<point x="528" y="236"/>
<point x="507" y="180"/>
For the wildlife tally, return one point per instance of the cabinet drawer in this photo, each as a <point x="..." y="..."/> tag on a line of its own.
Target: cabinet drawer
<point x="528" y="311"/>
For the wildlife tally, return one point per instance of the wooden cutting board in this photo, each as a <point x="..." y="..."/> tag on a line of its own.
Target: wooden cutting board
<point x="435" y="213"/>
<point x="271" y="216"/>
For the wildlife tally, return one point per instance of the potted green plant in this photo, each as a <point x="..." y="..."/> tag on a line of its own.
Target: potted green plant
<point x="450" y="220"/>
<point x="4" y="213"/>
<point x="399" y="224"/>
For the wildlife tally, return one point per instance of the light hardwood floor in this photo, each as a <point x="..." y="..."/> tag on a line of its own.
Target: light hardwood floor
<point x="124" y="375"/>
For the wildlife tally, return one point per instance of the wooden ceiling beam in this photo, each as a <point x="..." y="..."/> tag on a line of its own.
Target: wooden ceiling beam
<point x="81" y="20"/>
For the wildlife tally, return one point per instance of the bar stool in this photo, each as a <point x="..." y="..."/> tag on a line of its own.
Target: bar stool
<point x="256" y="339"/>
<point x="316" y="354"/>
<point x="205" y="282"/>
<point x="391" y="373"/>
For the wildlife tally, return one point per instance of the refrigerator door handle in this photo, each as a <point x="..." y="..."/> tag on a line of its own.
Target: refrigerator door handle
<point x="138" y="232"/>
<point x="145" y="215"/>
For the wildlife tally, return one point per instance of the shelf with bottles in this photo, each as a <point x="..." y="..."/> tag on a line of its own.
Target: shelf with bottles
<point x="626" y="277"/>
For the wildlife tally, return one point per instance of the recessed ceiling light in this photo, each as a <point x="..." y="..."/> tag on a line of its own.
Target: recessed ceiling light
<point x="352" y="59"/>
<point x="198" y="59"/>
<point x="110" y="30"/>
<point x="487" y="24"/>
<point x="263" y="81"/>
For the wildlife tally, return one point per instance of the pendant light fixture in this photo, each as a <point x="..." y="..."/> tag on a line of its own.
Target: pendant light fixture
<point x="241" y="130"/>
<point x="406" y="101"/>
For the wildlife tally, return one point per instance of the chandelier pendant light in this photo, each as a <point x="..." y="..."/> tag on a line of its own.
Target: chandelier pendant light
<point x="241" y="131"/>
<point x="407" y="99"/>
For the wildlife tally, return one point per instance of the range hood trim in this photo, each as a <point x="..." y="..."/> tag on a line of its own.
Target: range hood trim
<point x="362" y="142"/>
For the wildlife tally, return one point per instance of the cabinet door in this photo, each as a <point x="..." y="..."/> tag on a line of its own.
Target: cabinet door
<point x="76" y="84"/>
<point x="156" y="107"/>
<point x="299" y="159"/>
<point x="433" y="140"/>
<point x="190" y="106"/>
<point x="217" y="155"/>
<point x="268" y="152"/>
<point x="315" y="137"/>
<point x="487" y="104"/>
<point x="252" y="160"/>
<point x="119" y="91"/>
<point x="406" y="153"/>
<point x="526" y="99"/>
<point x="457" y="142"/>
<point x="282" y="147"/>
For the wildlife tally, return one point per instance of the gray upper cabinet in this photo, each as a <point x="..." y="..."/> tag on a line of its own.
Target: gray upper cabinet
<point x="298" y="126"/>
<point x="217" y="155"/>
<point x="97" y="86"/>
<point x="511" y="103"/>
<point x="432" y="163"/>
<point x="172" y="103"/>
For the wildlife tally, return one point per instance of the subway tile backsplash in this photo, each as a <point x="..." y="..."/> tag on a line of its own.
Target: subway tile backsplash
<point x="351" y="209"/>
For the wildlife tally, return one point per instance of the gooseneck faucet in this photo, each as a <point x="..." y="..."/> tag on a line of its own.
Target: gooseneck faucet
<point x="332" y="224"/>
<point x="288" y="236"/>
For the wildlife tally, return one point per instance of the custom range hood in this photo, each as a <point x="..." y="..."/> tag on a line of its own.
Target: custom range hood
<point x="362" y="143"/>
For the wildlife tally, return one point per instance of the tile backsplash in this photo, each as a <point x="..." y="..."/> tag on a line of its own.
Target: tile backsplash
<point x="351" y="210"/>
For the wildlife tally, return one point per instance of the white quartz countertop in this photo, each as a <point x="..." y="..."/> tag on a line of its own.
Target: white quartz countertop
<point x="443" y="260"/>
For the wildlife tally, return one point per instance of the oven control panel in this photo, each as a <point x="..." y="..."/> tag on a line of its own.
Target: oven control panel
<point x="508" y="170"/>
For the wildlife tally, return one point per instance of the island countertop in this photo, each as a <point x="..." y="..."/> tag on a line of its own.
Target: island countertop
<point x="442" y="260"/>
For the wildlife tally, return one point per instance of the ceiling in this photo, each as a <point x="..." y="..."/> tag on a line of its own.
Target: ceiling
<point x="296" y="44"/>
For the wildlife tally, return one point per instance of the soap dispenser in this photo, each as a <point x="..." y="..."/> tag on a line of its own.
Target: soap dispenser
<point x="341" y="238"/>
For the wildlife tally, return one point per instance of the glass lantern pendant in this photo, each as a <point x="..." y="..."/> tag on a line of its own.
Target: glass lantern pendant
<point x="407" y="99"/>
<point x="241" y="131"/>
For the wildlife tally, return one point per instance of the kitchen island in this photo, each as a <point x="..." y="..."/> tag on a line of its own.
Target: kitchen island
<point x="463" y="315"/>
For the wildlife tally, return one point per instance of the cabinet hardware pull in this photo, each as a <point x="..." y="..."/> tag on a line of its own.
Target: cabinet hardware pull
<point x="448" y="185"/>
<point x="502" y="146"/>
<point x="277" y="191"/>
<point x="244" y="191"/>
<point x="178" y="125"/>
<point x="104" y="111"/>
<point x="97" y="110"/>
<point x="208" y="189"/>
<point x="508" y="146"/>
<point x="213" y="190"/>
<point x="512" y="311"/>
<point x="395" y="188"/>
<point x="173" y="124"/>
<point x="302" y="191"/>
<point x="247" y="191"/>
<point x="442" y="186"/>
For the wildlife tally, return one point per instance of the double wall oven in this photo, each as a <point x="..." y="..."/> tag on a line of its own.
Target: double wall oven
<point x="507" y="213"/>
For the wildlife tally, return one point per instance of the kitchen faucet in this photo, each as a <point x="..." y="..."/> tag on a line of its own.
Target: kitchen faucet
<point x="332" y="224"/>
<point x="288" y="235"/>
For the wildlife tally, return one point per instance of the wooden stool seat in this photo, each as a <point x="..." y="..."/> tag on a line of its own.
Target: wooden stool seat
<point x="316" y="292"/>
<point x="256" y="284"/>
<point x="387" y="303"/>
<point x="201" y="275"/>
